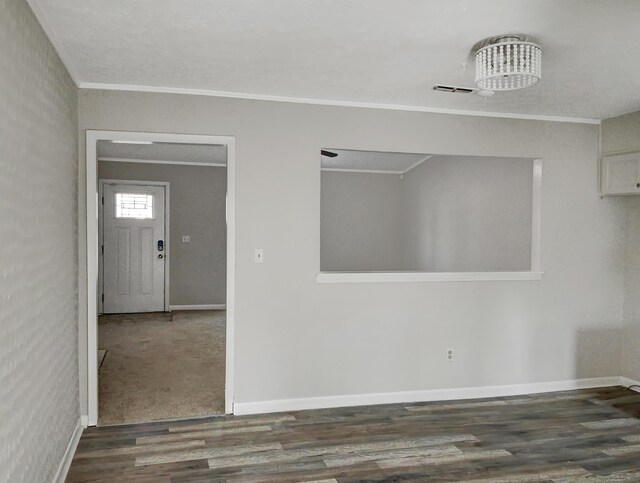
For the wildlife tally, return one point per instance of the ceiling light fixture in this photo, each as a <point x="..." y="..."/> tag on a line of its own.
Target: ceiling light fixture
<point x="508" y="63"/>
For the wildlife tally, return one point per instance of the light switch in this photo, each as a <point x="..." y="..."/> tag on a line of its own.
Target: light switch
<point x="186" y="239"/>
<point x="259" y="255"/>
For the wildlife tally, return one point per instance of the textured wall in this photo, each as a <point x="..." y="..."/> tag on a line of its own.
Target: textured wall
<point x="297" y="338"/>
<point x="38" y="261"/>
<point x="198" y="203"/>
<point x="631" y="341"/>
<point x="622" y="133"/>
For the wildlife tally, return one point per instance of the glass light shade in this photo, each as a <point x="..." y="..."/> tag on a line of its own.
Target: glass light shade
<point x="508" y="64"/>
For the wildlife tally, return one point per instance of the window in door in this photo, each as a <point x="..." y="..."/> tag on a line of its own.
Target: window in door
<point x="134" y="205"/>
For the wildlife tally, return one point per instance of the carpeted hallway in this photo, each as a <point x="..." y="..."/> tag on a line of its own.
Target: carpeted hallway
<point x="161" y="366"/>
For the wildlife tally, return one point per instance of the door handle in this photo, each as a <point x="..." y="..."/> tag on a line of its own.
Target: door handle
<point x="160" y="245"/>
<point x="160" y="255"/>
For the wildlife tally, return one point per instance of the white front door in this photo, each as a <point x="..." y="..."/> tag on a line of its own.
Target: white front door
<point x="134" y="248"/>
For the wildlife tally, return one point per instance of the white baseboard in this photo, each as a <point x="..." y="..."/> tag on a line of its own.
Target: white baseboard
<point x="626" y="382"/>
<point x="198" y="307"/>
<point x="84" y="421"/>
<point x="280" y="405"/>
<point x="65" y="464"/>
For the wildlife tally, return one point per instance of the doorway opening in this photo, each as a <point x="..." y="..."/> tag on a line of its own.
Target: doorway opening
<point x="160" y="345"/>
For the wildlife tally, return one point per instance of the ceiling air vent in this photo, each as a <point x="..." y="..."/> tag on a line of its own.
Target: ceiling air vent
<point x="452" y="89"/>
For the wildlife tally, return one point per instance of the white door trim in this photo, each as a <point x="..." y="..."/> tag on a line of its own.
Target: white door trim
<point x="92" y="137"/>
<point x="167" y="233"/>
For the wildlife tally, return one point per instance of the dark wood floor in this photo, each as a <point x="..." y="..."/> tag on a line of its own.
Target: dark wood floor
<point x="588" y="435"/>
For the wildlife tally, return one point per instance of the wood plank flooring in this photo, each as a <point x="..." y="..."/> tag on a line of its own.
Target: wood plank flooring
<point x="575" y="436"/>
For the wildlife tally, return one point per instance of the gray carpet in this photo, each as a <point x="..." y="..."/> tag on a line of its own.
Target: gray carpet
<point x="161" y="366"/>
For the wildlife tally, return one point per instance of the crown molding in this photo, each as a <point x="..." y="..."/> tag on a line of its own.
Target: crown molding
<point x="326" y="102"/>
<point x="161" y="161"/>
<point x="415" y="165"/>
<point x="351" y="170"/>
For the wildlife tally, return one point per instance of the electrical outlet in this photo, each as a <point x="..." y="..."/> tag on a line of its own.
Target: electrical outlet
<point x="449" y="355"/>
<point x="186" y="239"/>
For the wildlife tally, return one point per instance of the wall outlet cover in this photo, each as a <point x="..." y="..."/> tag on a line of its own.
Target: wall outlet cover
<point x="449" y="354"/>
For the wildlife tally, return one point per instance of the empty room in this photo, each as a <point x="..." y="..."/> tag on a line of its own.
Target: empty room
<point x="328" y="240"/>
<point x="161" y="280"/>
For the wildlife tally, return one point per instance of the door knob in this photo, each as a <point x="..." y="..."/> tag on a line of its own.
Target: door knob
<point x="160" y="255"/>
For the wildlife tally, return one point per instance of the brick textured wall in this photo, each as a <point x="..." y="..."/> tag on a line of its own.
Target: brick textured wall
<point x="38" y="260"/>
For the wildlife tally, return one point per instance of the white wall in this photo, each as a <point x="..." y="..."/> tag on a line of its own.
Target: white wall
<point x="296" y="338"/>
<point x="198" y="202"/>
<point x="631" y="342"/>
<point x="361" y="222"/>
<point x="464" y="213"/>
<point x="39" y="407"/>
<point x="623" y="134"/>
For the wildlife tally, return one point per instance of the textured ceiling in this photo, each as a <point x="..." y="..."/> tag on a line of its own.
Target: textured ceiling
<point x="371" y="160"/>
<point x="371" y="51"/>
<point x="189" y="153"/>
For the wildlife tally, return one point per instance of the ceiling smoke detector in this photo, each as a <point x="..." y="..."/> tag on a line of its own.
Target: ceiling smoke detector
<point x="508" y="63"/>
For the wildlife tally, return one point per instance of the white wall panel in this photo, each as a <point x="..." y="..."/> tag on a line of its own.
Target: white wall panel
<point x="297" y="338"/>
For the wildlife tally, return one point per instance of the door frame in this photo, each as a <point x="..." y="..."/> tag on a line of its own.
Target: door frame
<point x="167" y="234"/>
<point x="92" y="137"/>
